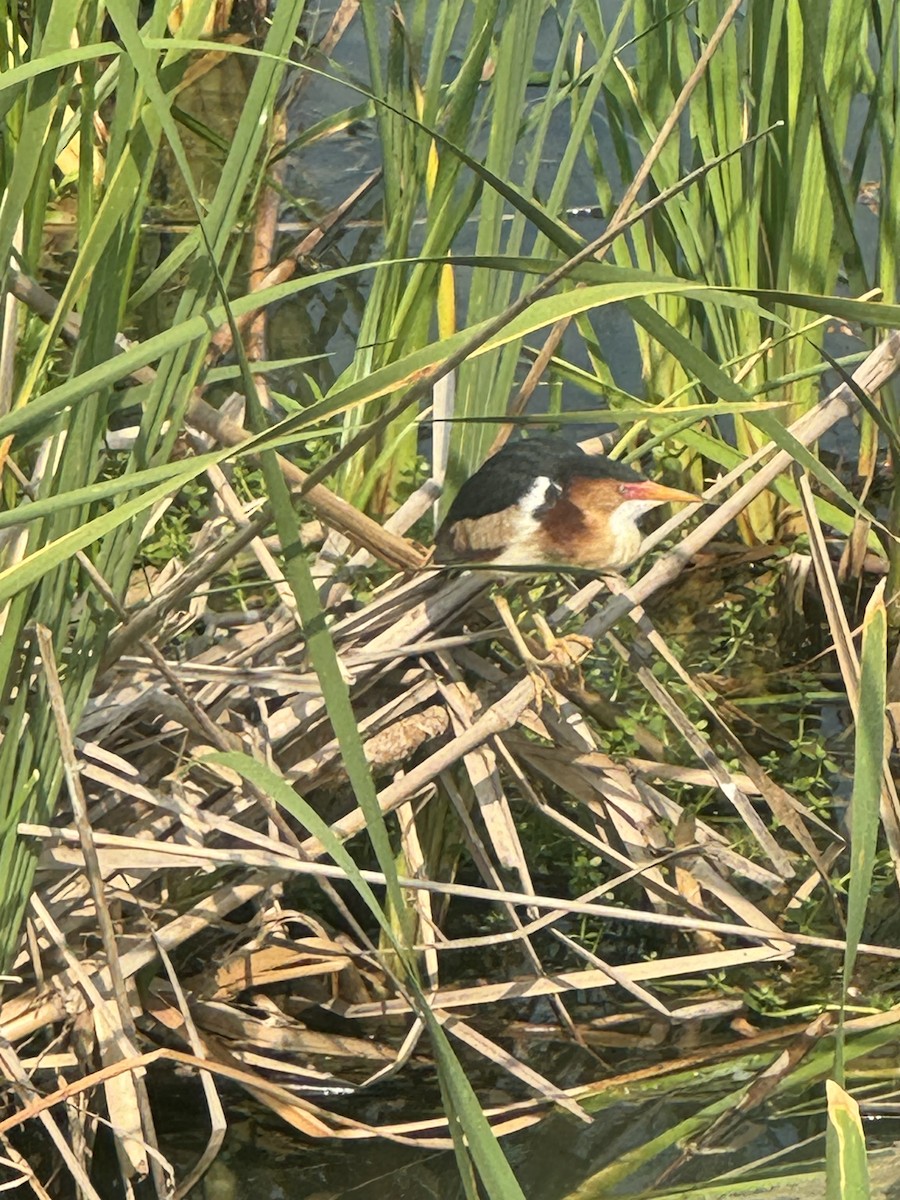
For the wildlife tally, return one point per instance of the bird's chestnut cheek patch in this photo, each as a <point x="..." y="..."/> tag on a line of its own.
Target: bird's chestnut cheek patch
<point x="596" y="495"/>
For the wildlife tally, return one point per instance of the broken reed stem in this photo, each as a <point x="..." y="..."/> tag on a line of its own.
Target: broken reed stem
<point x="498" y="719"/>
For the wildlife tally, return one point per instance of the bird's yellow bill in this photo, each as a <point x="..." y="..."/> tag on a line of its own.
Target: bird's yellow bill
<point x="647" y="489"/>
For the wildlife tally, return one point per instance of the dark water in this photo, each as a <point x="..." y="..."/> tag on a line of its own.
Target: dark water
<point x="262" y="1160"/>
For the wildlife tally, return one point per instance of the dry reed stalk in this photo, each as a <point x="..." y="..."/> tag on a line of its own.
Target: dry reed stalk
<point x="500" y="717"/>
<point x="563" y="981"/>
<point x="127" y="1099"/>
<point x="583" y="777"/>
<point x="206" y="911"/>
<point x="498" y="824"/>
<point x="14" y="1073"/>
<point x="785" y="808"/>
<point x="263" y="275"/>
<point x="757" y="1093"/>
<point x="488" y="1049"/>
<point x="779" y="861"/>
<point x="217" y="1121"/>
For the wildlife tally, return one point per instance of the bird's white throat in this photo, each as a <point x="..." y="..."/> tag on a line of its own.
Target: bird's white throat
<point x="626" y="537"/>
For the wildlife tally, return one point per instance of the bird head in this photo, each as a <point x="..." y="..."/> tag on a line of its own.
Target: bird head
<point x="594" y="522"/>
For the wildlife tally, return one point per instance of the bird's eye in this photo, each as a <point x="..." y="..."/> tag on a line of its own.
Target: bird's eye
<point x="622" y="489"/>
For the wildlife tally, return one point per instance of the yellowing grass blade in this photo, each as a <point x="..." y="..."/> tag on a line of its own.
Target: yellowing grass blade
<point x="847" y="1173"/>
